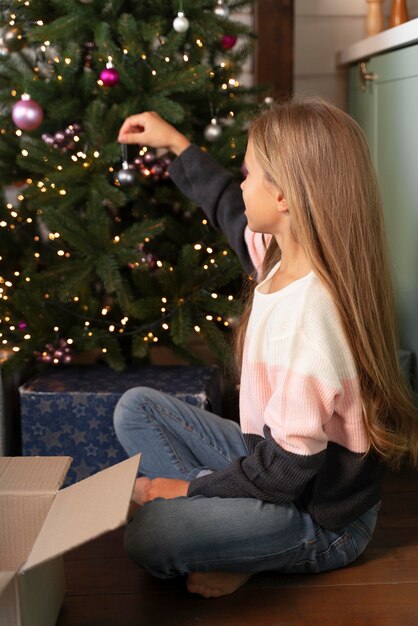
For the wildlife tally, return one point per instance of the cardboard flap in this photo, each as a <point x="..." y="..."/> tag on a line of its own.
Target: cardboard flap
<point x="21" y="519"/>
<point x="86" y="510"/>
<point x="32" y="474"/>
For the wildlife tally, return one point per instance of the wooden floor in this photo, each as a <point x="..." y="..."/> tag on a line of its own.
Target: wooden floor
<point x="105" y="589"/>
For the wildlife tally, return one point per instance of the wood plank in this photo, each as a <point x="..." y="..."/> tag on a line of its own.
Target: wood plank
<point x="376" y="566"/>
<point x="406" y="479"/>
<point x="371" y="605"/>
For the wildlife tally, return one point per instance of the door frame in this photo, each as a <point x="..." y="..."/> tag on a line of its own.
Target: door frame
<point x="273" y="61"/>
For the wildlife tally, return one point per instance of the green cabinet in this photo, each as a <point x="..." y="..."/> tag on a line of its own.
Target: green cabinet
<point x="383" y="98"/>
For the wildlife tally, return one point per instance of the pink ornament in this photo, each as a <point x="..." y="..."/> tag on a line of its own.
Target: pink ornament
<point x="228" y="42"/>
<point x="27" y="114"/>
<point x="109" y="76"/>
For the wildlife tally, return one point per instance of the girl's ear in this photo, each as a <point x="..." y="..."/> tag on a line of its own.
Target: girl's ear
<point x="282" y="204"/>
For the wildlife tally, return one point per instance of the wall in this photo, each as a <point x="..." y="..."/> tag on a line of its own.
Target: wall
<point x="246" y="16"/>
<point x="322" y="28"/>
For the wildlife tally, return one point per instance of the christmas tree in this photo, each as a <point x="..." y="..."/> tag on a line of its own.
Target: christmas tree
<point x="98" y="249"/>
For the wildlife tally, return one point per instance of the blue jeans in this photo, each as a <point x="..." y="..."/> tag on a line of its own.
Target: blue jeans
<point x="189" y="534"/>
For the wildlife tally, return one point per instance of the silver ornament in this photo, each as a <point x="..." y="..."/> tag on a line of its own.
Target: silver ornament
<point x="269" y="101"/>
<point x="126" y="177"/>
<point x="212" y="131"/>
<point x="221" y="10"/>
<point x="180" y="23"/>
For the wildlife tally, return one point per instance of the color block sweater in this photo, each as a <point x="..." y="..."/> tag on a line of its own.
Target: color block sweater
<point x="300" y="405"/>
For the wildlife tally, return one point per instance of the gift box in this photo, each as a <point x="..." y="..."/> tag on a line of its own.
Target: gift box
<point x="69" y="411"/>
<point x="40" y="522"/>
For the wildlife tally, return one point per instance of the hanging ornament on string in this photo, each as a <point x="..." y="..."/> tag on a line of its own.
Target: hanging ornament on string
<point x="228" y="42"/>
<point x="125" y="177"/>
<point x="27" y="114"/>
<point x="213" y="130"/>
<point x="181" y="23"/>
<point x="221" y="10"/>
<point x="14" y="38"/>
<point x="109" y="75"/>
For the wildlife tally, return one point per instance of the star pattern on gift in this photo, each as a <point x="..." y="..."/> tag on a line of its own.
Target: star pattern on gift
<point x="79" y="410"/>
<point x="101" y="411"/>
<point x="45" y="406"/>
<point x="80" y="471"/>
<point x="94" y="423"/>
<point x="79" y="436"/>
<point x="91" y="449"/>
<point x="81" y="399"/>
<point x="112" y="453"/>
<point x="67" y="428"/>
<point x="62" y="403"/>
<point x="38" y="429"/>
<point x="52" y="438"/>
<point x="34" y="451"/>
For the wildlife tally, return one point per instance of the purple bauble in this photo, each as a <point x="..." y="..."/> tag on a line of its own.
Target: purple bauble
<point x="228" y="42"/>
<point x="60" y="138"/>
<point x="27" y="114"/>
<point x="109" y="76"/>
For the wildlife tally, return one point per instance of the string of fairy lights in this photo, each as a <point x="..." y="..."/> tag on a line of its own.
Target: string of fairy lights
<point x="28" y="115"/>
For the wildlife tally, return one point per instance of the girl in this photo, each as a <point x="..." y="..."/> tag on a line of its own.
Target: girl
<point x="323" y="404"/>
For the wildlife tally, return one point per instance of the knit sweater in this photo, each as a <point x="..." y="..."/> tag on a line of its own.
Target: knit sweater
<point x="300" y="405"/>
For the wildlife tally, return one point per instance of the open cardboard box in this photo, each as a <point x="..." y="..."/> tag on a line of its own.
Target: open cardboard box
<point x="39" y="523"/>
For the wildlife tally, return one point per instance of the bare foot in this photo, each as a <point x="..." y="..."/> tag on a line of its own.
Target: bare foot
<point x="215" y="584"/>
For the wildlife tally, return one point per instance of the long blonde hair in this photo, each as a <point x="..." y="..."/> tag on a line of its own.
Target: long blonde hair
<point x="318" y="158"/>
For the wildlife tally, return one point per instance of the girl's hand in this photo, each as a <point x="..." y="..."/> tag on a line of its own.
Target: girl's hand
<point x="149" y="129"/>
<point x="146" y="489"/>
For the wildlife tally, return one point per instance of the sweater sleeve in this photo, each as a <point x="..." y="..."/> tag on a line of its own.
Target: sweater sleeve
<point x="218" y="194"/>
<point x="270" y="474"/>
